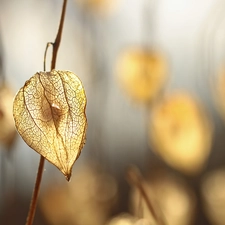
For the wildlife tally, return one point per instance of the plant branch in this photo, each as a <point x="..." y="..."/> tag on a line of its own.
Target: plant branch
<point x="58" y="37"/>
<point x="135" y="178"/>
<point x="33" y="203"/>
<point x="45" y="55"/>
<point x="2" y="75"/>
<point x="55" y="45"/>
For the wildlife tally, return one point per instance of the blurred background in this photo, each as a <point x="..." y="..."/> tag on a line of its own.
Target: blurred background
<point x="154" y="75"/>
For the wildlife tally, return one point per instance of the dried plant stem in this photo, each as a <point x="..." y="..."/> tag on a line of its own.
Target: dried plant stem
<point x="55" y="45"/>
<point x="58" y="37"/>
<point x="45" y="55"/>
<point x="33" y="203"/>
<point x="135" y="178"/>
<point x="2" y="74"/>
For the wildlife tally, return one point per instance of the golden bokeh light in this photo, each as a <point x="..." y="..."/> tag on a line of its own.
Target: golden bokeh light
<point x="88" y="197"/>
<point x="219" y="93"/>
<point x="180" y="132"/>
<point x="213" y="193"/>
<point x="141" y="73"/>
<point x="171" y="198"/>
<point x="7" y="127"/>
<point x="127" y="219"/>
<point x="122" y="219"/>
<point x="100" y="7"/>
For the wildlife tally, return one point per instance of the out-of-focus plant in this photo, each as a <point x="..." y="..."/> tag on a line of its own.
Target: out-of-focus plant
<point x="180" y="132"/>
<point x="7" y="127"/>
<point x="138" y="183"/>
<point x="141" y="73"/>
<point x="88" y="199"/>
<point x="49" y="114"/>
<point x="98" y="6"/>
<point x="219" y="92"/>
<point x="170" y="197"/>
<point x="127" y="219"/>
<point x="122" y="219"/>
<point x="213" y="194"/>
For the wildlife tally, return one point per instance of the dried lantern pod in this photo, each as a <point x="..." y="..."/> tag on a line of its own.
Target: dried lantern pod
<point x="49" y="114"/>
<point x="180" y="132"/>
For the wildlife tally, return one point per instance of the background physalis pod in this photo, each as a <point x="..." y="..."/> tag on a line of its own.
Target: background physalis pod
<point x="180" y="132"/>
<point x="49" y="114"/>
<point x="99" y="7"/>
<point x="7" y="128"/>
<point x="141" y="73"/>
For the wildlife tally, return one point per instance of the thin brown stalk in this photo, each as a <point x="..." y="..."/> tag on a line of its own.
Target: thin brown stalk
<point x="56" y="44"/>
<point x="33" y="202"/>
<point x="58" y="37"/>
<point x="45" y="55"/>
<point x="135" y="178"/>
